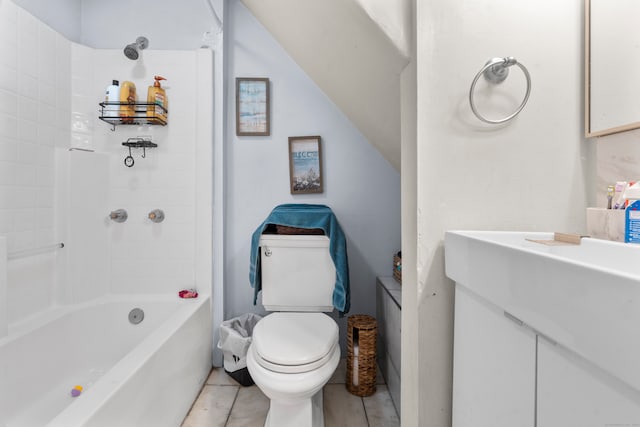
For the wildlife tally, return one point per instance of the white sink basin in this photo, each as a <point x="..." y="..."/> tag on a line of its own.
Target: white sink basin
<point x="584" y="297"/>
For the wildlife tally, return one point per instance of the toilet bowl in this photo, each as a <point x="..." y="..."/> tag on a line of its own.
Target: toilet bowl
<point x="292" y="356"/>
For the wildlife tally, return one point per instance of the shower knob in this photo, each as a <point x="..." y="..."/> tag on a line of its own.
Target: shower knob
<point x="156" y="215"/>
<point x="119" y="215"/>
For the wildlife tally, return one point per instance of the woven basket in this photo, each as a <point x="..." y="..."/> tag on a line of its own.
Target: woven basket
<point x="397" y="268"/>
<point x="362" y="331"/>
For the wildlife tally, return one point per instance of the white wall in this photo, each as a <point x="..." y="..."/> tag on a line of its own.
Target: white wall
<point x="61" y="15"/>
<point x="35" y="102"/>
<point x="360" y="186"/>
<point x="167" y="24"/>
<point x="618" y="159"/>
<point x="49" y="194"/>
<point x="145" y="257"/>
<point x="531" y="174"/>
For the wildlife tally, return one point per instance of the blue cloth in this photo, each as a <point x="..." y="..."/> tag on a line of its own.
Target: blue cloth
<point x="307" y="216"/>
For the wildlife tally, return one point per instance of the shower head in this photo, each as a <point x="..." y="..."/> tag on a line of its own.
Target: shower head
<point x="131" y="50"/>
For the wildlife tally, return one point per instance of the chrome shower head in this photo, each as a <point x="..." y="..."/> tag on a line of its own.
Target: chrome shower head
<point x="131" y="50"/>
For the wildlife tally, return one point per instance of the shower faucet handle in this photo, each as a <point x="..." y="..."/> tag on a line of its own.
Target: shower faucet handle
<point x="119" y="215"/>
<point x="156" y="215"/>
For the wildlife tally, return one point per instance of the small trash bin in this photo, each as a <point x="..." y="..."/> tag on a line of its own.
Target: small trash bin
<point x="234" y="341"/>
<point x="362" y="331"/>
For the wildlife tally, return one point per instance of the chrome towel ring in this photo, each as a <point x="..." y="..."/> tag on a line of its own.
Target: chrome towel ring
<point x="496" y="71"/>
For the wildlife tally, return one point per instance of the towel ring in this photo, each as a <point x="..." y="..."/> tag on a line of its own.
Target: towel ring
<point x="496" y="71"/>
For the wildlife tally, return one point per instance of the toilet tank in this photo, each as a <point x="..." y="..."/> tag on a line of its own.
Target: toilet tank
<point x="298" y="273"/>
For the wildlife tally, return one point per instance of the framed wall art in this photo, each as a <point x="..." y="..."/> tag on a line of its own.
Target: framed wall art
<point x="305" y="165"/>
<point x="252" y="106"/>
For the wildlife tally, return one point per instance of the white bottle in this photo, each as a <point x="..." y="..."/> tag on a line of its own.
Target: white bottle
<point x="112" y="94"/>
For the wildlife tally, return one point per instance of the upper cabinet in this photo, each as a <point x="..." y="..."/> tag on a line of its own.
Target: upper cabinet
<point x="612" y="61"/>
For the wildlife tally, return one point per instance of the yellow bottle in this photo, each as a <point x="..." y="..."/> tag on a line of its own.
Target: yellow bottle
<point x="157" y="113"/>
<point x="127" y="100"/>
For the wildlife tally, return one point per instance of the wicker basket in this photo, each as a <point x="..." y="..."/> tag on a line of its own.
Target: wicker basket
<point x="397" y="268"/>
<point x="362" y="331"/>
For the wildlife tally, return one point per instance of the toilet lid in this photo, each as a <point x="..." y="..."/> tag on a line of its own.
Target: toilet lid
<point x="294" y="342"/>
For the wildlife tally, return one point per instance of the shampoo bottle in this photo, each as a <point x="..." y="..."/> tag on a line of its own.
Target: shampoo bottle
<point x="157" y="113"/>
<point x="127" y="100"/>
<point x="112" y="94"/>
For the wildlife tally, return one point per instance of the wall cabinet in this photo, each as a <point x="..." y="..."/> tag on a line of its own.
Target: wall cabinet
<point x="505" y="374"/>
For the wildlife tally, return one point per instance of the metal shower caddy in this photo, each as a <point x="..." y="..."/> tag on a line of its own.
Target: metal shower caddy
<point x="137" y="143"/>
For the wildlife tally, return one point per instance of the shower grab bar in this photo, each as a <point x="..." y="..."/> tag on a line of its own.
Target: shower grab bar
<point x="35" y="251"/>
<point x="495" y="71"/>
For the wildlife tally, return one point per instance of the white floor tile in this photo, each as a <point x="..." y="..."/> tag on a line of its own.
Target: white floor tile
<point x="250" y="409"/>
<point x="212" y="407"/>
<point x="342" y="409"/>
<point x="380" y="410"/>
<point x="223" y="403"/>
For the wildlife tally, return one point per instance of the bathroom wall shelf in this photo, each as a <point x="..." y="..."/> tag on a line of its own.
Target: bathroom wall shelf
<point x="137" y="143"/>
<point x="140" y="115"/>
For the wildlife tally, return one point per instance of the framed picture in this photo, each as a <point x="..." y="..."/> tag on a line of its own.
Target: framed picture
<point x="305" y="164"/>
<point x="252" y="106"/>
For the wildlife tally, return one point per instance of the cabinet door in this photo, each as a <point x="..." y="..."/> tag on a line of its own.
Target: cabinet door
<point x="493" y="366"/>
<point x="574" y="393"/>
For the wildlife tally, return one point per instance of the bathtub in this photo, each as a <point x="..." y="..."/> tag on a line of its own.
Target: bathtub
<point x="144" y="374"/>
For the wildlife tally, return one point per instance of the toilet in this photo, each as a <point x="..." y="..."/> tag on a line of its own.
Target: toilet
<point x="295" y="349"/>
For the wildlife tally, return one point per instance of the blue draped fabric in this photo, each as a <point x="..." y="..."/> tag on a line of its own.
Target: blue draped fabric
<point x="307" y="216"/>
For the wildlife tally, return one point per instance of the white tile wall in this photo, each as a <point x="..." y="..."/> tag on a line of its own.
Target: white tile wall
<point x="87" y="238"/>
<point x="145" y="257"/>
<point x="34" y="77"/>
<point x="29" y="109"/>
<point x="49" y="94"/>
<point x="3" y="287"/>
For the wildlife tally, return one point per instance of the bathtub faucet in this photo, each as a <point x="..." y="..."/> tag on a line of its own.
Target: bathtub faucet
<point x="119" y="215"/>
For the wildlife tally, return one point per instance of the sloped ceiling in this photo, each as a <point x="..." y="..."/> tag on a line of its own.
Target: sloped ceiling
<point x="351" y="54"/>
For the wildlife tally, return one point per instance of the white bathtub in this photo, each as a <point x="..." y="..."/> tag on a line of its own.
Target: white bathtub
<point x="133" y="375"/>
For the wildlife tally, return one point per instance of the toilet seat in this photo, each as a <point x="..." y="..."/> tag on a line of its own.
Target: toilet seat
<point x="294" y="342"/>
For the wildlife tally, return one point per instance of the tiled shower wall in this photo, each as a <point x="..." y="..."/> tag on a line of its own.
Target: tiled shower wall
<point x="35" y="103"/>
<point x="49" y="94"/>
<point x="146" y="257"/>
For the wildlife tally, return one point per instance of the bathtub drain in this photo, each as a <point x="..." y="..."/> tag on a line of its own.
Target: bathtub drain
<point x="136" y="316"/>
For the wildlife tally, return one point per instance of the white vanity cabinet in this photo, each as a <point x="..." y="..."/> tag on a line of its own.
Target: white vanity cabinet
<point x="545" y="335"/>
<point x="574" y="393"/>
<point x="506" y="375"/>
<point x="493" y="367"/>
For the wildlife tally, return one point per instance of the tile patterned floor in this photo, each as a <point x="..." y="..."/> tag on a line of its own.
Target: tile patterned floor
<point x="224" y="403"/>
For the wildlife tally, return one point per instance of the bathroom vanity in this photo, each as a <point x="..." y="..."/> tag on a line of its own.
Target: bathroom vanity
<point x="544" y="335"/>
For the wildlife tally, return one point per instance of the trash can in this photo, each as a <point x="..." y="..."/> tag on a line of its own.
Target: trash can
<point x="234" y="341"/>
<point x="362" y="331"/>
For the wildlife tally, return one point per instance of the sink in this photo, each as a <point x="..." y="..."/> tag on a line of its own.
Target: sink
<point x="584" y="297"/>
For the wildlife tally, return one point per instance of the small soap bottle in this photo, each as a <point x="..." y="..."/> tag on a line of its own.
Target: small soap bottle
<point x="112" y="95"/>
<point x="158" y="103"/>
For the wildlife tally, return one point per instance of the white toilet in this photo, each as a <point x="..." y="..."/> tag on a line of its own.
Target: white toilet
<point x="295" y="351"/>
